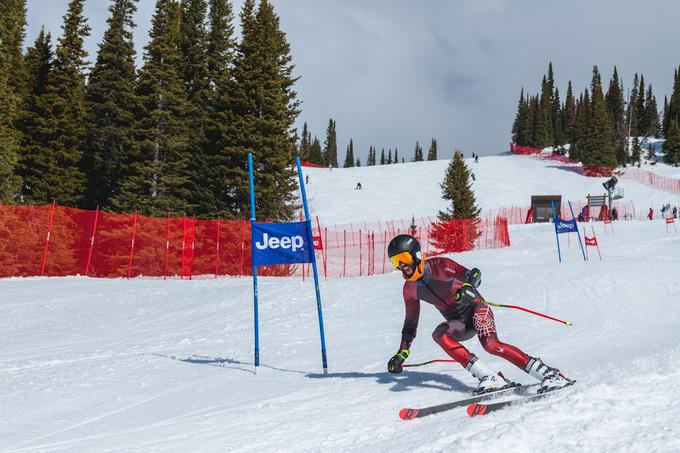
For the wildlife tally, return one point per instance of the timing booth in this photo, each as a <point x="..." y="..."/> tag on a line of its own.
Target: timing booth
<point x="542" y="207"/>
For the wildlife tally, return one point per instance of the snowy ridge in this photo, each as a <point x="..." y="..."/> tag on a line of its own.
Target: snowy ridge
<point x="150" y="365"/>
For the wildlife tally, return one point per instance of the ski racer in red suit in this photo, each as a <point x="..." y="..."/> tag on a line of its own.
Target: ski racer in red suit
<point x="452" y="289"/>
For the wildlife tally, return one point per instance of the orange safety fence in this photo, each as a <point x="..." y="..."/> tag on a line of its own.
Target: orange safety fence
<point x="59" y="241"/>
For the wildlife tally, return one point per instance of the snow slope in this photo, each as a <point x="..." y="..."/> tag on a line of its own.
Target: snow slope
<point x="89" y="365"/>
<point x="413" y="189"/>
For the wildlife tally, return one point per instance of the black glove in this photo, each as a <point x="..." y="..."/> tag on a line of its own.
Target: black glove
<point x="467" y="294"/>
<point x="394" y="365"/>
<point x="474" y="277"/>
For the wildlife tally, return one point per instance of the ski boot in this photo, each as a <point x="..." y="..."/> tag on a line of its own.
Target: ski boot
<point x="551" y="378"/>
<point x="488" y="380"/>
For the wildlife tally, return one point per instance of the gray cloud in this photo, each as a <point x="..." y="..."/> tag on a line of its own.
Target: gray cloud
<point x="391" y="72"/>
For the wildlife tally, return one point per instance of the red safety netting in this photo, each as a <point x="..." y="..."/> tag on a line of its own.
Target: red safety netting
<point x="651" y="179"/>
<point x="59" y="241"/>
<point x="354" y="250"/>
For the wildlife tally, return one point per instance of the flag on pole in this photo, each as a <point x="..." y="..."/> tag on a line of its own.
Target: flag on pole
<point x="281" y="243"/>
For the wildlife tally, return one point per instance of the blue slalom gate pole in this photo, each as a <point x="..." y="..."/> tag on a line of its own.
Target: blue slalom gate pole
<point x="324" y="361"/>
<point x="557" y="236"/>
<point x="577" y="233"/>
<point x="252" y="220"/>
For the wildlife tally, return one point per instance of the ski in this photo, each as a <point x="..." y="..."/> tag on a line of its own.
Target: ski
<point x="476" y="409"/>
<point x="411" y="413"/>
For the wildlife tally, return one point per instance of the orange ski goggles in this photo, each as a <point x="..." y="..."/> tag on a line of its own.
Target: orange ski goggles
<point x="401" y="258"/>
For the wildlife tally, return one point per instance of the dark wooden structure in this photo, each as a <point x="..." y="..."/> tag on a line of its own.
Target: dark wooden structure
<point x="541" y="206"/>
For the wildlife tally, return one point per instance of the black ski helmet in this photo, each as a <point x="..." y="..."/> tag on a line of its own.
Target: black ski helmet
<point x="405" y="243"/>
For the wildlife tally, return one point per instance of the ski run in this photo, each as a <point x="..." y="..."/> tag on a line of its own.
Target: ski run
<point x="146" y="365"/>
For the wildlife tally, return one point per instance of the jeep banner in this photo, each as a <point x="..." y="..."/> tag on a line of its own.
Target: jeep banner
<point x="565" y="226"/>
<point x="282" y="243"/>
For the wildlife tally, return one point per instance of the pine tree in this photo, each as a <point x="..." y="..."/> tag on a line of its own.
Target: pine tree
<point x="569" y="115"/>
<point x="63" y="122"/>
<point x="672" y="111"/>
<point x="264" y="107"/>
<point x="315" y="153"/>
<point x="12" y="35"/>
<point x="371" y="156"/>
<point x="193" y="67"/>
<point x="12" y="89"/>
<point x="536" y="127"/>
<point x="330" y="149"/>
<point x="432" y="152"/>
<point x="598" y="150"/>
<point x="543" y="135"/>
<point x="559" y="138"/>
<point x="650" y="122"/>
<point x="583" y="108"/>
<point x="636" y="152"/>
<point x="358" y="162"/>
<point x="616" y="108"/>
<point x="389" y="157"/>
<point x="111" y="105"/>
<point x="632" y="114"/>
<point x="457" y="189"/>
<point x="349" y="155"/>
<point x="396" y="156"/>
<point x="305" y="143"/>
<point x="38" y="64"/>
<point x="157" y="182"/>
<point x="640" y="108"/>
<point x="671" y="146"/>
<point x="219" y="56"/>
<point x="417" y="153"/>
<point x="516" y="134"/>
<point x="382" y="157"/>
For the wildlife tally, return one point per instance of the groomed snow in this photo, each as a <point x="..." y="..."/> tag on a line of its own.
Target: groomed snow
<point x="90" y="365"/>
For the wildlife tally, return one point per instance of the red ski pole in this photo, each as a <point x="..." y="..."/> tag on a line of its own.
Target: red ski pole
<point x="566" y="323"/>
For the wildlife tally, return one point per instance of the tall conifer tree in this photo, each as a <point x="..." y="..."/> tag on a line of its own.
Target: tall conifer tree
<point x="616" y="108"/>
<point x="598" y="149"/>
<point x="671" y="146"/>
<point x="417" y="153"/>
<point x="111" y="105"/>
<point x="330" y="151"/>
<point x="264" y="108"/>
<point x="457" y="188"/>
<point x="569" y="115"/>
<point x="64" y="122"/>
<point x="32" y="164"/>
<point x="220" y="47"/>
<point x="432" y="152"/>
<point x="12" y="24"/>
<point x="672" y="111"/>
<point x="157" y="183"/>
<point x="349" y="155"/>
<point x="315" y="151"/>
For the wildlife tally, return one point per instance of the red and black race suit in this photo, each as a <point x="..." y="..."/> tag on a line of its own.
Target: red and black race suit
<point x="442" y="277"/>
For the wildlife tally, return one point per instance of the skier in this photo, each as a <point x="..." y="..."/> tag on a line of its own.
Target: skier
<point x="452" y="289"/>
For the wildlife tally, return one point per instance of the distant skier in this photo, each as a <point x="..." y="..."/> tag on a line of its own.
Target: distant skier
<point x="452" y="289"/>
<point x="650" y="214"/>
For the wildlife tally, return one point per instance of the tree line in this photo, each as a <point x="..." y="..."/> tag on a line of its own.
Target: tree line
<point x="601" y="129"/>
<point x="169" y="137"/>
<point x="311" y="150"/>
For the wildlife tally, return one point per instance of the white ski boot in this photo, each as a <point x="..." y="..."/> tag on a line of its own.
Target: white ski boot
<point x="488" y="380"/>
<point x="551" y="378"/>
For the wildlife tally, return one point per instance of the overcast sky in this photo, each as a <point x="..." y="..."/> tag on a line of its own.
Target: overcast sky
<point x="391" y="72"/>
